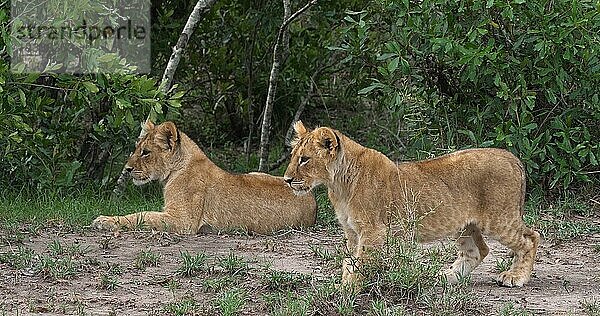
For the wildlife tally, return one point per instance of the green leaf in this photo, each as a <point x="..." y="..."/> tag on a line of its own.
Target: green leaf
<point x="158" y="108"/>
<point x="53" y="67"/>
<point x="469" y="134"/>
<point x="386" y="56"/>
<point x="22" y="98"/>
<point x="370" y="88"/>
<point x="178" y="95"/>
<point x="90" y="87"/>
<point x="122" y="103"/>
<point x="393" y="65"/>
<point x="173" y="103"/>
<point x="593" y="160"/>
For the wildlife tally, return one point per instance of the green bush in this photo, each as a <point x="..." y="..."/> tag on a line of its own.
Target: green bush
<point x="520" y="75"/>
<point x="410" y="78"/>
<point x="61" y="130"/>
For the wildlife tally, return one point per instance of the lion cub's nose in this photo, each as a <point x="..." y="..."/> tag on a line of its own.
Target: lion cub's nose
<point x="287" y="179"/>
<point x="128" y="168"/>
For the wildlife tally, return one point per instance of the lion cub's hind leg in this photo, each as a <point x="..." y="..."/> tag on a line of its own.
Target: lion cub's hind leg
<point x="523" y="242"/>
<point x="472" y="249"/>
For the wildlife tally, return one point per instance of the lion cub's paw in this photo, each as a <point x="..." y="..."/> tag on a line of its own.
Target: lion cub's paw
<point x="105" y="223"/>
<point x="450" y="275"/>
<point x="511" y="279"/>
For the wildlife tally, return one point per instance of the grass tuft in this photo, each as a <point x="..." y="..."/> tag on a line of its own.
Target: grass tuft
<point x="591" y="308"/>
<point x="57" y="268"/>
<point x="146" y="258"/>
<point x="108" y="282"/>
<point x="288" y="304"/>
<point x="234" y="265"/>
<point x="509" y="309"/>
<point x="191" y="265"/>
<point x="231" y="302"/>
<point x="503" y="264"/>
<point x="185" y="306"/>
<point x="283" y="281"/>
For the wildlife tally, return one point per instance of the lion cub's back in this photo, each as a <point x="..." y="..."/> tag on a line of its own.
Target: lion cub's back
<point x="484" y="178"/>
<point x="277" y="202"/>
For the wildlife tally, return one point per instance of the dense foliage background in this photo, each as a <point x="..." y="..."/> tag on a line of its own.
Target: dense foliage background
<point x="412" y="79"/>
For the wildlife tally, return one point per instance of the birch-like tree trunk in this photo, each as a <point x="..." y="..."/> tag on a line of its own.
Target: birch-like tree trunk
<point x="282" y="36"/>
<point x="167" y="79"/>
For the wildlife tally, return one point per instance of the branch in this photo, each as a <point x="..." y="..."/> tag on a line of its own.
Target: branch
<point x="268" y="112"/>
<point x="167" y="78"/>
<point x="188" y="29"/>
<point x="290" y="132"/>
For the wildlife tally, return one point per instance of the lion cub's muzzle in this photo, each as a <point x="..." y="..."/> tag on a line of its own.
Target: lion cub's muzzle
<point x="137" y="176"/>
<point x="296" y="185"/>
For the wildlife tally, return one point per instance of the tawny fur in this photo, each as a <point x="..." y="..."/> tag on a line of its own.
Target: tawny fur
<point x="462" y="194"/>
<point x="198" y="194"/>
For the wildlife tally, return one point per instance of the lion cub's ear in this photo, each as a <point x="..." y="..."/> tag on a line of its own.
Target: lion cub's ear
<point x="300" y="129"/>
<point x="146" y="127"/>
<point x="167" y="136"/>
<point x="327" y="139"/>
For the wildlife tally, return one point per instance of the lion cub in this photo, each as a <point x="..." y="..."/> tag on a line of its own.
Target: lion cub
<point x="462" y="194"/>
<point x="199" y="194"/>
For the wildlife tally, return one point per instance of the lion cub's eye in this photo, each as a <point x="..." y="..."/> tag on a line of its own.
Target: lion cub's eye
<point x="304" y="160"/>
<point x="145" y="152"/>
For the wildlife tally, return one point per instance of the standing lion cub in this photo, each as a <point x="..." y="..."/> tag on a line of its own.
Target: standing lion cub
<point x="464" y="194"/>
<point x="198" y="193"/>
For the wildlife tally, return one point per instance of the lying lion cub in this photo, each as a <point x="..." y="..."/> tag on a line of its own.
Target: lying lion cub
<point x="197" y="193"/>
<point x="464" y="194"/>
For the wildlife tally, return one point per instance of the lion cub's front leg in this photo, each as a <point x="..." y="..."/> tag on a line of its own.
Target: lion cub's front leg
<point x="367" y="239"/>
<point x="161" y="221"/>
<point x="349" y="262"/>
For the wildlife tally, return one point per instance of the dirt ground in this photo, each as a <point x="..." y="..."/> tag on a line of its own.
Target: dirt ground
<point x="566" y="274"/>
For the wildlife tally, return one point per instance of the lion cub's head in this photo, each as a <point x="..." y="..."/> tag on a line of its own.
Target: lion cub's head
<point x="313" y="154"/>
<point x="154" y="151"/>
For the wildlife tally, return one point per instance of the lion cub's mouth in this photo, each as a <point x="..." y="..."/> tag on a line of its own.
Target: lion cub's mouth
<point x="299" y="189"/>
<point x="299" y="192"/>
<point x="139" y="179"/>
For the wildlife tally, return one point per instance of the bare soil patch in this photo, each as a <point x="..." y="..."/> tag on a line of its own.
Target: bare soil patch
<point x="566" y="275"/>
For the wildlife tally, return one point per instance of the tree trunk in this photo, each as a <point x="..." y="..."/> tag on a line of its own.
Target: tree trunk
<point x="167" y="79"/>
<point x="282" y="36"/>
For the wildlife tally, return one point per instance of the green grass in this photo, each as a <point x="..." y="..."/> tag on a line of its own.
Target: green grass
<point x="503" y="264"/>
<point x="325" y="214"/>
<point x="234" y="265"/>
<point x="231" y="302"/>
<point x="22" y="258"/>
<point x="185" y="306"/>
<point x="509" y="309"/>
<point x="78" y="208"/>
<point x="146" y="258"/>
<point x="56" y="248"/>
<point x="402" y="278"/>
<point x="108" y="282"/>
<point x="275" y="280"/>
<point x="288" y="304"/>
<point x="591" y="308"/>
<point x="381" y="308"/>
<point x="213" y="285"/>
<point x="57" y="268"/>
<point x="560" y="220"/>
<point x="191" y="265"/>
